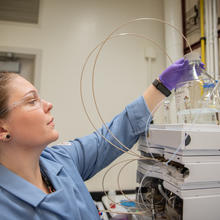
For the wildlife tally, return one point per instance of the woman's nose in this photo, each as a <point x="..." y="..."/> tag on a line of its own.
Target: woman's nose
<point x="47" y="106"/>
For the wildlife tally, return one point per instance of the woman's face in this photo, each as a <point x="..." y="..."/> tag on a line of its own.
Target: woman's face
<point x="29" y="122"/>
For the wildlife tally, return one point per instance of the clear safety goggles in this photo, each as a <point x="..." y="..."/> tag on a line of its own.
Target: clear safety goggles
<point x="29" y="102"/>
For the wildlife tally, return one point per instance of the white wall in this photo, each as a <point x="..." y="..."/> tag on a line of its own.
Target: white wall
<point x="68" y="30"/>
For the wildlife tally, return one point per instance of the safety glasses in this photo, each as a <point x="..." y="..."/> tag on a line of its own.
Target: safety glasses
<point x="29" y="102"/>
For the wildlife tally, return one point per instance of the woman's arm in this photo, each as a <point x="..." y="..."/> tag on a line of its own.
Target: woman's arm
<point x="152" y="97"/>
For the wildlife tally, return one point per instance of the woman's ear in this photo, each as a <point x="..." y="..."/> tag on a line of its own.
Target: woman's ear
<point x="3" y="131"/>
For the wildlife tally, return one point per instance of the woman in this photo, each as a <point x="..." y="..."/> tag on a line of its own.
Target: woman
<point x="37" y="182"/>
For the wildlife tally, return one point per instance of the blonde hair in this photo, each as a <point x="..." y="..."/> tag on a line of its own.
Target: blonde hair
<point x="5" y="78"/>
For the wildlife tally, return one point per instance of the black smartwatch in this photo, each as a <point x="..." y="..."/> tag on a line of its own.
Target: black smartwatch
<point x="163" y="89"/>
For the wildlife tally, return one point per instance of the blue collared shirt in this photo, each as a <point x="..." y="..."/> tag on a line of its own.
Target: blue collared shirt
<point x="67" y="167"/>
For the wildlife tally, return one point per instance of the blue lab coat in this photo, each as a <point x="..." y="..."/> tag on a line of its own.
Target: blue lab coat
<point x="67" y="166"/>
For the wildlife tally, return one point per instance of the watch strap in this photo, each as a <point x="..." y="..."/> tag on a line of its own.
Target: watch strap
<point x="163" y="89"/>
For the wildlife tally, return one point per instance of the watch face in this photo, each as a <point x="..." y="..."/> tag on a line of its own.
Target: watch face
<point x="156" y="83"/>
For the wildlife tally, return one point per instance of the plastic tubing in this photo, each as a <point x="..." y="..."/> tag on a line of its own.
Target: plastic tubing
<point x="118" y="180"/>
<point x="104" y="42"/>
<point x="82" y="99"/>
<point x="87" y="114"/>
<point x="103" y="187"/>
<point x="139" y="190"/>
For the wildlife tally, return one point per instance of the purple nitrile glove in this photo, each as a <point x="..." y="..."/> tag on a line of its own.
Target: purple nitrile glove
<point x="181" y="71"/>
<point x="174" y="73"/>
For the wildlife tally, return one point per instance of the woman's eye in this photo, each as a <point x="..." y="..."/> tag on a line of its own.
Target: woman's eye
<point x="32" y="101"/>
